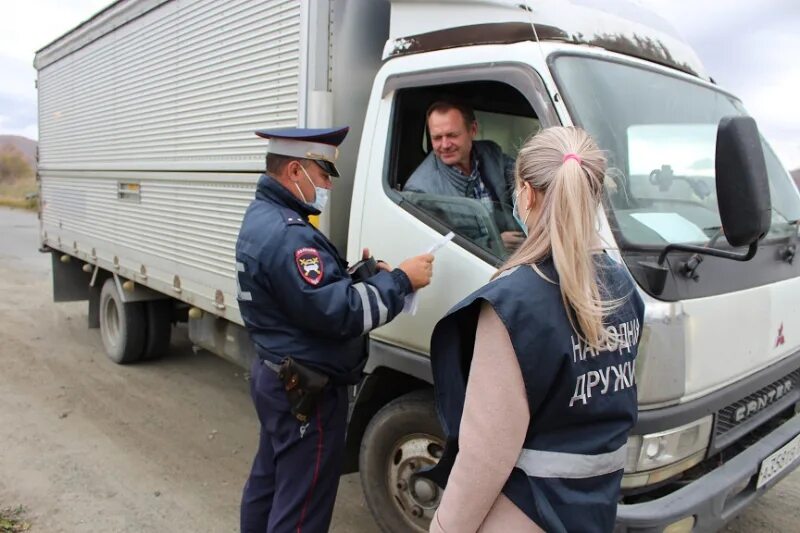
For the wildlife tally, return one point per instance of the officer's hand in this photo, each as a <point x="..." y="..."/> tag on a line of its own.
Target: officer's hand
<point x="382" y="265"/>
<point x="419" y="270"/>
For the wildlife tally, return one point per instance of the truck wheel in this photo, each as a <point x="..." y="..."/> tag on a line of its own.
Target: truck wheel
<point x="403" y="437"/>
<point x="122" y="325"/>
<point x="159" y="328"/>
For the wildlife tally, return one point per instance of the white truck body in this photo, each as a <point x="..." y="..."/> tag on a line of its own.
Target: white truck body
<point x="148" y="160"/>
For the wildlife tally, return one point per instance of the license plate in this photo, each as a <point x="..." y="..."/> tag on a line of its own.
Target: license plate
<point x="779" y="461"/>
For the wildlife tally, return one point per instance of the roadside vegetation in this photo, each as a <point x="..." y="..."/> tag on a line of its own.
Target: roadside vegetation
<point x="17" y="183"/>
<point x="12" y="520"/>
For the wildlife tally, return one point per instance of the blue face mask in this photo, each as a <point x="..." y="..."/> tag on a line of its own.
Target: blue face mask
<point x="321" y="194"/>
<point x="519" y="219"/>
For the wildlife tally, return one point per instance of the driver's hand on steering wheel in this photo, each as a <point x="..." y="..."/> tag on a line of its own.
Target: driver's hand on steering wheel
<point x="512" y="239"/>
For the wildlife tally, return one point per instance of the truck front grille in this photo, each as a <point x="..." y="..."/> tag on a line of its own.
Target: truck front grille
<point x="756" y="408"/>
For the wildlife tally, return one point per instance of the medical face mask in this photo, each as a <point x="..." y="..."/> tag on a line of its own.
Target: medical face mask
<point x="321" y="194"/>
<point x="518" y="218"/>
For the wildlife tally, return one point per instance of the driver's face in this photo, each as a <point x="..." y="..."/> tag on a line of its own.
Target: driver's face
<point x="452" y="138"/>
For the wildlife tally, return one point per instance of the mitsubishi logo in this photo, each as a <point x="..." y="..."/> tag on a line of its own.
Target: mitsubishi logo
<point x="781" y="340"/>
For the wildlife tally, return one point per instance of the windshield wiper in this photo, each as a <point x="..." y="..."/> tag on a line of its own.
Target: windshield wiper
<point x="689" y="268"/>
<point x="787" y="252"/>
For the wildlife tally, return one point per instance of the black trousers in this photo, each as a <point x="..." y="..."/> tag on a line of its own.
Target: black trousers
<point x="295" y="474"/>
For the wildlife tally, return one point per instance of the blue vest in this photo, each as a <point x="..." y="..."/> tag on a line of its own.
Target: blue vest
<point x="582" y="402"/>
<point x="294" y="292"/>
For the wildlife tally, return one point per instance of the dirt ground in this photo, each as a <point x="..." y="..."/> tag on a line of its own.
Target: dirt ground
<point x="164" y="446"/>
<point x="90" y="446"/>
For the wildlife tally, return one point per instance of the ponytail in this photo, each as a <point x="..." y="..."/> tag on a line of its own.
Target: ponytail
<point x="567" y="166"/>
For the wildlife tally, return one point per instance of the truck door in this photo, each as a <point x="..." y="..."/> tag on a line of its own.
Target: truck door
<point x="510" y="103"/>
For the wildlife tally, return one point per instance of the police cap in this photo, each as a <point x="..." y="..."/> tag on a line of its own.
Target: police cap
<point x="318" y="145"/>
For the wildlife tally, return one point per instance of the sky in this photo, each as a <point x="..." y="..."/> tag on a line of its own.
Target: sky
<point x="749" y="47"/>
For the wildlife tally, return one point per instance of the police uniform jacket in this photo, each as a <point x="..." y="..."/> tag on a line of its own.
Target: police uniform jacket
<point x="295" y="294"/>
<point x="582" y="401"/>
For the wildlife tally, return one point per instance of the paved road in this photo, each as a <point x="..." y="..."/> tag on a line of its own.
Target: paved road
<point x="19" y="241"/>
<point x="89" y="446"/>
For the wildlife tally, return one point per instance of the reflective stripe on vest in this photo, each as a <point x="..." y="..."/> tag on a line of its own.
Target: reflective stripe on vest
<point x="540" y="463"/>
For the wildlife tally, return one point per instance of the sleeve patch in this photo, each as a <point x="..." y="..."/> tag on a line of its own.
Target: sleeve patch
<point x="309" y="264"/>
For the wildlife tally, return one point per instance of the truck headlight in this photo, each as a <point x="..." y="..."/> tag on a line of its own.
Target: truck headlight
<point x="659" y="456"/>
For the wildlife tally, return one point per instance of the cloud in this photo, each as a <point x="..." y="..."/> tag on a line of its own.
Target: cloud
<point x="18" y="77"/>
<point x="18" y="98"/>
<point x="25" y="29"/>
<point x="30" y="26"/>
<point x="16" y="113"/>
<point x="31" y="131"/>
<point x="748" y="48"/>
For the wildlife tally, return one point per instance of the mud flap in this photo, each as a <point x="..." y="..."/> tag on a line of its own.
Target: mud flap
<point x="70" y="282"/>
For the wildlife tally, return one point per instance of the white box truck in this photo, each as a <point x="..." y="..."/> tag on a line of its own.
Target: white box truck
<point x="147" y="161"/>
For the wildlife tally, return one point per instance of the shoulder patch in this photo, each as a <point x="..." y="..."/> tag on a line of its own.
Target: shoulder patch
<point x="309" y="264"/>
<point x="291" y="218"/>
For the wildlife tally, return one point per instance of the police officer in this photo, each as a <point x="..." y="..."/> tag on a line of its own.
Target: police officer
<point x="308" y="319"/>
<point x="559" y="328"/>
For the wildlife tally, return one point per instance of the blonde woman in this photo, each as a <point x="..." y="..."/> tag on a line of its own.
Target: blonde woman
<point x="534" y="372"/>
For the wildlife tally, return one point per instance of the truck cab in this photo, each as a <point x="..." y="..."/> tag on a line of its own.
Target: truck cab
<point x="716" y="371"/>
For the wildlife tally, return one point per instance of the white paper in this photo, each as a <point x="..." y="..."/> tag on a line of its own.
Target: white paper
<point x="412" y="300"/>
<point x="672" y="227"/>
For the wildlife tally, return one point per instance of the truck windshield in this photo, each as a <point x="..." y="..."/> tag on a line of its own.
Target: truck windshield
<point x="659" y="132"/>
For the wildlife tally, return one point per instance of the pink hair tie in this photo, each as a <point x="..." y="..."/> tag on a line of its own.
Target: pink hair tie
<point x="569" y="156"/>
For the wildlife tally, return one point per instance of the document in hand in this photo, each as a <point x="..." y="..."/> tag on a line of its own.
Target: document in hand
<point x="412" y="300"/>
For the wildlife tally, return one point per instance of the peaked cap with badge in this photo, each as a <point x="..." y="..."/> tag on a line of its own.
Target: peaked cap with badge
<point x="316" y="144"/>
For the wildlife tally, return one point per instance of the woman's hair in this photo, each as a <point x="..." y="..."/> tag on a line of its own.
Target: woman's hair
<point x="566" y="165"/>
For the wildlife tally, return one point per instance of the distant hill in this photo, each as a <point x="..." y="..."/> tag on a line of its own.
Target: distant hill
<point x="796" y="176"/>
<point x="23" y="144"/>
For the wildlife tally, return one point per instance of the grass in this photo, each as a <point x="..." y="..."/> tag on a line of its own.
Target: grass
<point x="19" y="193"/>
<point x="12" y="521"/>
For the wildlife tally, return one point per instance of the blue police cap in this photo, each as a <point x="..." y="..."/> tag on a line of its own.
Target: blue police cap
<point x="319" y="145"/>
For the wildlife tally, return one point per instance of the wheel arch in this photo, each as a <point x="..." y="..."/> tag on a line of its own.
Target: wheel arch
<point x="375" y="391"/>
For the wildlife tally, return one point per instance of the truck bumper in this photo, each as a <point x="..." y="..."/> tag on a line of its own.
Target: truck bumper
<point x="715" y="498"/>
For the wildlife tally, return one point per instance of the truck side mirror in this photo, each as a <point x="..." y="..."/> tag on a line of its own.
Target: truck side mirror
<point x="745" y="208"/>
<point x="742" y="186"/>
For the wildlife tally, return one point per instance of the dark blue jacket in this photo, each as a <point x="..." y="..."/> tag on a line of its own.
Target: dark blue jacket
<point x="295" y="295"/>
<point x="582" y="402"/>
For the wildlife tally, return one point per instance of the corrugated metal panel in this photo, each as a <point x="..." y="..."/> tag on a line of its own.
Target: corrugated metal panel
<point x="192" y="225"/>
<point x="187" y="82"/>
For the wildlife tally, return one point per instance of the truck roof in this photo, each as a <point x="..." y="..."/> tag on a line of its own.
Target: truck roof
<point x="617" y="25"/>
<point x="108" y="19"/>
<point x="417" y="26"/>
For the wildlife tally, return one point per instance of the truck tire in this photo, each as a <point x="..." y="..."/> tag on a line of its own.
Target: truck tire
<point x="401" y="438"/>
<point x="159" y="329"/>
<point x="122" y="325"/>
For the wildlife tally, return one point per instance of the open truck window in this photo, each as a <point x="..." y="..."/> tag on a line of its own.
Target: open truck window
<point x="505" y="120"/>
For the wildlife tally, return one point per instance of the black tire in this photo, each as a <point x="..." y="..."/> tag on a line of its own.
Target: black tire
<point x="159" y="329"/>
<point x="401" y="438"/>
<point x="122" y="325"/>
